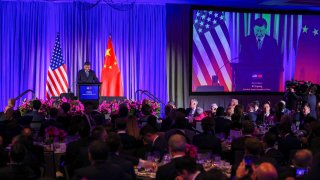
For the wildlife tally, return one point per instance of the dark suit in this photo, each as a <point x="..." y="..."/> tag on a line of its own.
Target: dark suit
<point x="36" y="117"/>
<point x="288" y="145"/>
<point x="83" y="78"/>
<point x="17" y="172"/>
<point x="195" y="113"/>
<point x="168" y="171"/>
<point x="207" y="142"/>
<point x="77" y="155"/>
<point x="222" y="125"/>
<point x="237" y="149"/>
<point x="100" y="172"/>
<point x="254" y="59"/>
<point x="125" y="165"/>
<point x="127" y="141"/>
<point x="275" y="154"/>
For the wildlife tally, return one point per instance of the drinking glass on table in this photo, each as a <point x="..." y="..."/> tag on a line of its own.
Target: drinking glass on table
<point x="217" y="160"/>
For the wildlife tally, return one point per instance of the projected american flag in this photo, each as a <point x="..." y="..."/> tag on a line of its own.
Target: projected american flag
<point x="211" y="50"/>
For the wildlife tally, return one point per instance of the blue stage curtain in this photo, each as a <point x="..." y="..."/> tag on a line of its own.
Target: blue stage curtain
<point x="28" y="31"/>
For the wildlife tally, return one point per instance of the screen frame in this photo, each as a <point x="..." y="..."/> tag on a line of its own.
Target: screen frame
<point x="239" y="10"/>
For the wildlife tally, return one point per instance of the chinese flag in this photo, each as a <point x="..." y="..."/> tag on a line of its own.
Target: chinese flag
<point x="307" y="63"/>
<point x="110" y="75"/>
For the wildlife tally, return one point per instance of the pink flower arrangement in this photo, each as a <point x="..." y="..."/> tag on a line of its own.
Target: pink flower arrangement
<point x="76" y="107"/>
<point x="54" y="134"/>
<point x="134" y="107"/>
<point x="109" y="107"/>
<point x="191" y="151"/>
<point x="25" y="107"/>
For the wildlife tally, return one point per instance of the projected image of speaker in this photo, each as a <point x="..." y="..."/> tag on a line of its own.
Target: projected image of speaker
<point x="215" y="87"/>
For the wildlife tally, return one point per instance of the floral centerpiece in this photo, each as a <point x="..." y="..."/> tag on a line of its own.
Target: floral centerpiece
<point x="109" y="107"/>
<point x="25" y="107"/>
<point x="134" y="107"/>
<point x="76" y="107"/>
<point x="54" y="134"/>
<point x="191" y="151"/>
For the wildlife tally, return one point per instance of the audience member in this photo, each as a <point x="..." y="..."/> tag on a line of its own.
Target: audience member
<point x="99" y="133"/>
<point x="100" y="169"/>
<point x="156" y="143"/>
<point x="302" y="161"/>
<point x="128" y="141"/>
<point x="177" y="147"/>
<point x="11" y="104"/>
<point x="114" y="157"/>
<point x="77" y="151"/>
<point x="251" y="113"/>
<point x="269" y="141"/>
<point x="187" y="169"/>
<point x="180" y="126"/>
<point x="207" y="141"/>
<point x="222" y="124"/>
<point x="266" y="115"/>
<point x="238" y="145"/>
<point x="17" y="170"/>
<point x="288" y="143"/>
<point x="133" y="127"/>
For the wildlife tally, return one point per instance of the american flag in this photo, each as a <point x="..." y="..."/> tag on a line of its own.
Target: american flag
<point x="57" y="79"/>
<point x="211" y="49"/>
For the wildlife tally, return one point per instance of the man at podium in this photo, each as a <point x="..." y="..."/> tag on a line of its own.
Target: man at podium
<point x="260" y="64"/>
<point x="86" y="75"/>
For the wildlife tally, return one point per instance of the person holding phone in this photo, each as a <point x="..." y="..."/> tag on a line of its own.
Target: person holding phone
<point x="300" y="167"/>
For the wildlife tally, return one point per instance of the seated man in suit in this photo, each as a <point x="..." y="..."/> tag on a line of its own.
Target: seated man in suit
<point x="238" y="145"/>
<point x="193" y="110"/>
<point x="187" y="169"/>
<point x="99" y="169"/>
<point x="222" y="124"/>
<point x="156" y="143"/>
<point x="77" y="151"/>
<point x="114" y="145"/>
<point x="177" y="148"/>
<point x="288" y="143"/>
<point x="207" y="141"/>
<point x="86" y="75"/>
<point x="269" y="141"/>
<point x="17" y="169"/>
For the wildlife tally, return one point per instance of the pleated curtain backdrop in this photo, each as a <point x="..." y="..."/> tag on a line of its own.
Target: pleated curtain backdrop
<point x="28" y="31"/>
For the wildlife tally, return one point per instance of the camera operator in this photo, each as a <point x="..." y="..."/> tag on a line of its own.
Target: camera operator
<point x="311" y="99"/>
<point x="292" y="99"/>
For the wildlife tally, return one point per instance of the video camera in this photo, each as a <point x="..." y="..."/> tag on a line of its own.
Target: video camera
<point x="302" y="87"/>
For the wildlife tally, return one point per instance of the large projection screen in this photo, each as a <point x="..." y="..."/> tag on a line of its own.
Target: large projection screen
<point x="252" y="51"/>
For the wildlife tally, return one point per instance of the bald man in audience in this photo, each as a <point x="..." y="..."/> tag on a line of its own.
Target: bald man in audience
<point x="266" y="171"/>
<point x="302" y="160"/>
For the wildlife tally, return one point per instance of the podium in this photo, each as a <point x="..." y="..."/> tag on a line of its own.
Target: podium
<point x="256" y="78"/>
<point x="89" y="92"/>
